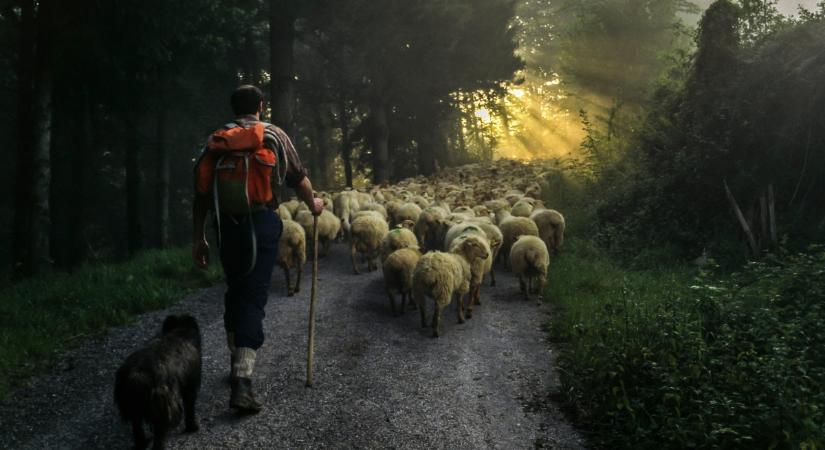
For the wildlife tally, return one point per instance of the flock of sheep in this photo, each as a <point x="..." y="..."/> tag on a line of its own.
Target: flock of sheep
<point x="436" y="237"/>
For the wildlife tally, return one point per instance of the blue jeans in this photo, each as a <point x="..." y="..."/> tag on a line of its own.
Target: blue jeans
<point x="246" y="294"/>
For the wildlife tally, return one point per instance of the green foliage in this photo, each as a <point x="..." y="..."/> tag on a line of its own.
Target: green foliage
<point x="609" y="51"/>
<point x="744" y="109"/>
<point x="40" y="318"/>
<point x="653" y="360"/>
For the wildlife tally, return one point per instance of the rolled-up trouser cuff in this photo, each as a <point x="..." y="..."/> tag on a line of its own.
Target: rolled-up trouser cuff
<point x="243" y="362"/>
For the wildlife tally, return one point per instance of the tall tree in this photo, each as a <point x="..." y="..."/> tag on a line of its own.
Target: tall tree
<point x="34" y="113"/>
<point x="282" y="17"/>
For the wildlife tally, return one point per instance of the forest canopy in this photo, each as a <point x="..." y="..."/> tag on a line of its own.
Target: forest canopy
<point x="651" y="105"/>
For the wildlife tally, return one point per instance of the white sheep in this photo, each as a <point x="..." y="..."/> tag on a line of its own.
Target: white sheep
<point x="478" y="267"/>
<point x="398" y="270"/>
<point x="328" y="227"/>
<point x="366" y="233"/>
<point x="292" y="252"/>
<point x="495" y="238"/>
<point x="530" y="259"/>
<point x="511" y="228"/>
<point x="522" y="208"/>
<point x="440" y="275"/>
<point x="551" y="227"/>
<point x="431" y="227"/>
<point x="392" y="208"/>
<point x="377" y="207"/>
<point x="395" y="239"/>
<point x="283" y="212"/>
<point x="363" y="197"/>
<point x="406" y="211"/>
<point x="292" y="206"/>
<point x="344" y="206"/>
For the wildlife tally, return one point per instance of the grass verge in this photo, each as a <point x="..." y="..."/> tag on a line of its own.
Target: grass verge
<point x="40" y="318"/>
<point x="678" y="358"/>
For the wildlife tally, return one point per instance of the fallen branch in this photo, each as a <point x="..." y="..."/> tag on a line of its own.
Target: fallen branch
<point x="744" y="223"/>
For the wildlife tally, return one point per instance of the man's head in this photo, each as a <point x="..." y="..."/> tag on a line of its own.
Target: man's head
<point x="247" y="99"/>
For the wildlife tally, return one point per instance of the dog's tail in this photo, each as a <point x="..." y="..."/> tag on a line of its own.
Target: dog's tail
<point x="139" y="396"/>
<point x="165" y="406"/>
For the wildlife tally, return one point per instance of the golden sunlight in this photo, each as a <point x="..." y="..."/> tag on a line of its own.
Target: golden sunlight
<point x="484" y="115"/>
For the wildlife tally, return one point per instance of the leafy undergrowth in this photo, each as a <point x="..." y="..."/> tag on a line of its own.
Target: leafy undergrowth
<point x="42" y="317"/>
<point x="677" y="358"/>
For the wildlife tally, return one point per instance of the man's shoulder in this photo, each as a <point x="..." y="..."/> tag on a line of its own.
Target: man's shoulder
<point x="272" y="128"/>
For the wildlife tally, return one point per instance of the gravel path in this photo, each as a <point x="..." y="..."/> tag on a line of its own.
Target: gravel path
<point x="380" y="382"/>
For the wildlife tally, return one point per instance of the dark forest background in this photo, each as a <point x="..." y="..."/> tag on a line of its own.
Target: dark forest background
<point x="105" y="104"/>
<point x="649" y="107"/>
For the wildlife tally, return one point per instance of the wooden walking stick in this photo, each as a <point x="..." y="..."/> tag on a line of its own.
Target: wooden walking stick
<point x="311" y="346"/>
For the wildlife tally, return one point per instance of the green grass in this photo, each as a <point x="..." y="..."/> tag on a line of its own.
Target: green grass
<point x="669" y="357"/>
<point x="42" y="317"/>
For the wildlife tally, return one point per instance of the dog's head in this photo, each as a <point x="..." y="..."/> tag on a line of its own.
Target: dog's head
<point x="181" y="322"/>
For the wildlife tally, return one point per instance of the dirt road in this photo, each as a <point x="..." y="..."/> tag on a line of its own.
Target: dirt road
<point x="380" y="382"/>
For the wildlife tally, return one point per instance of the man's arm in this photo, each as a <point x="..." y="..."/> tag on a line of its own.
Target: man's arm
<point x="304" y="192"/>
<point x="200" y="248"/>
<point x="296" y="174"/>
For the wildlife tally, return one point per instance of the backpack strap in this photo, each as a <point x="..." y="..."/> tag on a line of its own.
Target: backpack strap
<point x="277" y="145"/>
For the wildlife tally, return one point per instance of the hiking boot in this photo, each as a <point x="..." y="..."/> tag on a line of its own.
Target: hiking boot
<point x="243" y="363"/>
<point x="242" y="397"/>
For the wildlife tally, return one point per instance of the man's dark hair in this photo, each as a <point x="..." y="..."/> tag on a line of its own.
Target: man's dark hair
<point x="246" y="99"/>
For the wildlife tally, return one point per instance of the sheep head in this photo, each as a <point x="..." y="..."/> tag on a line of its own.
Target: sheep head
<point x="472" y="248"/>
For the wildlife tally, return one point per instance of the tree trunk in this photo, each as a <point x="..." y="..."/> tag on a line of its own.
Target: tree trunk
<point x="43" y="114"/>
<point x="134" y="238"/>
<point x="34" y="112"/>
<point x="462" y="142"/>
<point x="426" y="144"/>
<point x="346" y="140"/>
<point x="322" y="139"/>
<point x="281" y="40"/>
<point x="380" y="134"/>
<point x="250" y="63"/>
<point x="80" y="178"/>
<point x="162" y="188"/>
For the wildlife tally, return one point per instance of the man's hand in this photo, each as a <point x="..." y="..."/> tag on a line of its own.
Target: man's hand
<point x="318" y="206"/>
<point x="200" y="253"/>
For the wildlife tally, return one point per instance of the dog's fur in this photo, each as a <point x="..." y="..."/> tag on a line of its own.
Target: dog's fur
<point x="160" y="381"/>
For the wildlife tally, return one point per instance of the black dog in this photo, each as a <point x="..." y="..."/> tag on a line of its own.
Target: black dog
<point x="156" y="383"/>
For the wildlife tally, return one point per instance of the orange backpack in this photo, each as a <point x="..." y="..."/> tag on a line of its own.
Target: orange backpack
<point x="237" y="167"/>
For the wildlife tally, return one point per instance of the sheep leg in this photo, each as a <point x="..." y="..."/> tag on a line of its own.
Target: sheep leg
<point x="298" y="281"/>
<point x="405" y="296"/>
<point x="419" y="300"/>
<point x="492" y="278"/>
<point x="471" y="302"/>
<point x="525" y="286"/>
<point x="352" y="256"/>
<point x="289" y="290"/>
<point x="437" y="319"/>
<point x="392" y="302"/>
<point x="534" y="286"/>
<point x="461" y="307"/>
<point x="411" y="304"/>
<point x="540" y="282"/>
